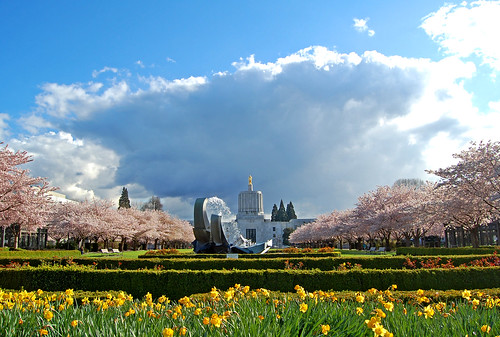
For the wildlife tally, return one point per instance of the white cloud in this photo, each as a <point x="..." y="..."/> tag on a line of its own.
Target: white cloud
<point x="81" y="169"/>
<point x="467" y="29"/>
<point x="79" y="100"/>
<point x="3" y="126"/>
<point x="361" y="25"/>
<point x="96" y="73"/>
<point x="317" y="128"/>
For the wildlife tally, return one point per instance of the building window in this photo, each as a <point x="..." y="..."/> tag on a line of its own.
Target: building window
<point x="274" y="229"/>
<point x="274" y="235"/>
<point x="252" y="234"/>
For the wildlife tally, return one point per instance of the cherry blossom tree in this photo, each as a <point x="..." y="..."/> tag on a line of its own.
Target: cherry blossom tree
<point x="24" y="200"/>
<point x="471" y="188"/>
<point x="386" y="210"/>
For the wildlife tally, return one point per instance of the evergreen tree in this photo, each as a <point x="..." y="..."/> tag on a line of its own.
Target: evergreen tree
<point x="281" y="215"/>
<point x="124" y="201"/>
<point x="274" y="213"/>
<point x="290" y="212"/>
<point x="286" y="236"/>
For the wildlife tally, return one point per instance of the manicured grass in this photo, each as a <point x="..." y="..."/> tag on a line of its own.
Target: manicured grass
<point x="129" y="254"/>
<point x="364" y="252"/>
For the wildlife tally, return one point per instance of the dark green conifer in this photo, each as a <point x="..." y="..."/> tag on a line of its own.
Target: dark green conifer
<point x="290" y="212"/>
<point x="281" y="215"/>
<point x="274" y="213"/>
<point x="124" y="201"/>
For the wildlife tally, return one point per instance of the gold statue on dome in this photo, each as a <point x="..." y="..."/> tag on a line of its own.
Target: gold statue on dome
<point x="249" y="180"/>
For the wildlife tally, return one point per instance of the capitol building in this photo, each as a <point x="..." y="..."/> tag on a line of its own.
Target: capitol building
<point x="252" y="223"/>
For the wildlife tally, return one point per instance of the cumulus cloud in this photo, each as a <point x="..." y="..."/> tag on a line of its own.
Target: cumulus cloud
<point x="318" y="128"/>
<point x="361" y="25"/>
<point x="467" y="29"/>
<point x="82" y="169"/>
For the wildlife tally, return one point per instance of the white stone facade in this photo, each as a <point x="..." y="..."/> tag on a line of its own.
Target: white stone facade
<point x="252" y="223"/>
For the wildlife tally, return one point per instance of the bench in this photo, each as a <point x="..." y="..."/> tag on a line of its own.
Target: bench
<point x="115" y="250"/>
<point x="105" y="251"/>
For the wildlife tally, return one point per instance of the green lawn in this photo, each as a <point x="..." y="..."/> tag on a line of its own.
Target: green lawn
<point x="130" y="254"/>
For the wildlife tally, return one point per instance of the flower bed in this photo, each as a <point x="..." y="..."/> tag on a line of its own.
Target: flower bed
<point x="242" y="311"/>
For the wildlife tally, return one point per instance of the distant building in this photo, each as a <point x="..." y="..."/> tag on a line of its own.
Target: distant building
<point x="252" y="223"/>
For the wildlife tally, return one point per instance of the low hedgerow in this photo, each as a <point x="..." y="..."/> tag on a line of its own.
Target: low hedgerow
<point x="305" y="263"/>
<point x="430" y="251"/>
<point x="178" y="283"/>
<point x="39" y="253"/>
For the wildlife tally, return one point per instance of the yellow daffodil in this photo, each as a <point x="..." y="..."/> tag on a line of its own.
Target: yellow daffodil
<point x="486" y="328"/>
<point x="389" y="306"/>
<point x="167" y="332"/>
<point x="379" y="330"/>
<point x="360" y="298"/>
<point x="48" y="315"/>
<point x="325" y="329"/>
<point x="303" y="307"/>
<point x="359" y="310"/>
<point x="216" y="320"/>
<point x="372" y="322"/>
<point x="428" y="312"/>
<point x="466" y="294"/>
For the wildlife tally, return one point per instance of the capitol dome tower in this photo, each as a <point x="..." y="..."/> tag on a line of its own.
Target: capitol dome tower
<point x="250" y="203"/>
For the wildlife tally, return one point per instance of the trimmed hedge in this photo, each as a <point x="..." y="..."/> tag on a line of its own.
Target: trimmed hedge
<point x="306" y="263"/>
<point x="178" y="283"/>
<point x="240" y="256"/>
<point x="39" y="253"/>
<point x="419" y="251"/>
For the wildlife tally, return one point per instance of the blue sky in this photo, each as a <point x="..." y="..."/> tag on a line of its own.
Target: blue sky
<point x="320" y="101"/>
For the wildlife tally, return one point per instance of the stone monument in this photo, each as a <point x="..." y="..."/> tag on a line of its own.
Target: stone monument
<point x="210" y="238"/>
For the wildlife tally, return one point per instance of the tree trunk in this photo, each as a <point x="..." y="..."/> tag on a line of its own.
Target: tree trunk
<point x="407" y="240"/>
<point x="474" y="236"/>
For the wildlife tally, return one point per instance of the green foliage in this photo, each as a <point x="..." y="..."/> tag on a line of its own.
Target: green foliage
<point x="124" y="201"/>
<point x="247" y="312"/>
<point x="281" y="215"/>
<point x="416" y="251"/>
<point x="39" y="253"/>
<point x="277" y="254"/>
<point x="179" y="283"/>
<point x="286" y="235"/>
<point x="274" y="213"/>
<point x="290" y="212"/>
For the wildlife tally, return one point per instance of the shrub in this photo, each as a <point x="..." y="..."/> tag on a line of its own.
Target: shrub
<point x="427" y="251"/>
<point x="178" y="283"/>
